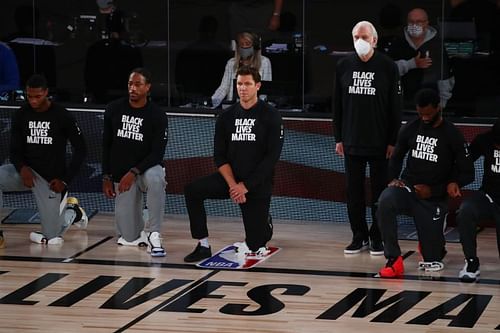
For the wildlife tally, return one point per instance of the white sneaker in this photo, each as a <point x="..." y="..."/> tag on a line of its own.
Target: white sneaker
<point x="241" y="248"/>
<point x="470" y="272"/>
<point x="260" y="253"/>
<point x="39" y="238"/>
<point x="154" y="245"/>
<point x="430" y="266"/>
<point x="142" y="241"/>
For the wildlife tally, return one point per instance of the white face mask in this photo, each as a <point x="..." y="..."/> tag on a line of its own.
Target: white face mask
<point x="362" y="47"/>
<point x="415" y="30"/>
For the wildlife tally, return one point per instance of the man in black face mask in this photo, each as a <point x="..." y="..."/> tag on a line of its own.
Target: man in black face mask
<point x="437" y="166"/>
<point x="483" y="204"/>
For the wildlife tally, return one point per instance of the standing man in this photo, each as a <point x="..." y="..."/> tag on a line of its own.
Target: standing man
<point x="483" y="204"/>
<point x="437" y="165"/>
<point x="422" y="61"/>
<point x="367" y="116"/>
<point x="134" y="140"/>
<point x="40" y="132"/>
<point x="247" y="145"/>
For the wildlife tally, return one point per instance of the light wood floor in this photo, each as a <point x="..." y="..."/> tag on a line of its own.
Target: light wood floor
<point x="92" y="285"/>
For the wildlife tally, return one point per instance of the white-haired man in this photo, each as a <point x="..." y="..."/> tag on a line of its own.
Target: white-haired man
<point x="367" y="116"/>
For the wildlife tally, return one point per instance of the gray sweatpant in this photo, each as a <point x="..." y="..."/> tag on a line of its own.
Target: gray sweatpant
<point x="128" y="205"/>
<point x="47" y="201"/>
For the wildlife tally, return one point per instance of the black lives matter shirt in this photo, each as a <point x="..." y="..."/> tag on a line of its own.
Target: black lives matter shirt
<point x="133" y="138"/>
<point x="436" y="157"/>
<point x="250" y="141"/>
<point x="39" y="139"/>
<point x="367" y="104"/>
<point x="483" y="145"/>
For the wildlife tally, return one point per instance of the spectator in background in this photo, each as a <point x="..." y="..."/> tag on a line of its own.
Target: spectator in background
<point x="248" y="52"/>
<point x="421" y="59"/>
<point x="112" y="21"/>
<point x="9" y="73"/>
<point x="483" y="204"/>
<point x="192" y="62"/>
<point x="261" y="16"/>
<point x="437" y="166"/>
<point x="367" y="116"/>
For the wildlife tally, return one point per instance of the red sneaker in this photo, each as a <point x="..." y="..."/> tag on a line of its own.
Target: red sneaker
<point x="394" y="268"/>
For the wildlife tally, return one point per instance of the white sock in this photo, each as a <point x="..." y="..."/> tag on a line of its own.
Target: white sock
<point x="204" y="242"/>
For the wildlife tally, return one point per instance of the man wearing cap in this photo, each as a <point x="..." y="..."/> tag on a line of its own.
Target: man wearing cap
<point x="483" y="204"/>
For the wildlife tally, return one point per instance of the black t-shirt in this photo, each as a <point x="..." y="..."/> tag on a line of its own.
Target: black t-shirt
<point x="367" y="104"/>
<point x="39" y="139"/>
<point x="436" y="157"/>
<point x="250" y="141"/>
<point x="133" y="138"/>
<point x="483" y="145"/>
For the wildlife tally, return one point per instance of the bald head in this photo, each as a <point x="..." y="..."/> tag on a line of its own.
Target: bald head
<point x="417" y="16"/>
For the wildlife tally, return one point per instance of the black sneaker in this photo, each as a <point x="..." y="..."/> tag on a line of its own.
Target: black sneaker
<point x="199" y="253"/>
<point x="470" y="272"/>
<point x="376" y="248"/>
<point x="356" y="247"/>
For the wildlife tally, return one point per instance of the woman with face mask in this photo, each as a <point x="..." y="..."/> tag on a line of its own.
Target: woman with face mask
<point x="247" y="52"/>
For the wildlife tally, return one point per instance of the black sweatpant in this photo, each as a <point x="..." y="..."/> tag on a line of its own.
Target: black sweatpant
<point x="475" y="208"/>
<point x="428" y="216"/>
<point x="355" y="170"/>
<point x="255" y="211"/>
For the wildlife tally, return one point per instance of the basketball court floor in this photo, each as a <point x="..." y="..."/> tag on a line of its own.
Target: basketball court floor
<point x="90" y="284"/>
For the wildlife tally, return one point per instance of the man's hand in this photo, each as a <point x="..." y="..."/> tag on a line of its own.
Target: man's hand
<point x="422" y="62"/>
<point x="422" y="191"/>
<point x="389" y="151"/>
<point x="57" y="185"/>
<point x="237" y="193"/>
<point x="339" y="148"/>
<point x="126" y="182"/>
<point x="453" y="190"/>
<point x="108" y="188"/>
<point x="27" y="176"/>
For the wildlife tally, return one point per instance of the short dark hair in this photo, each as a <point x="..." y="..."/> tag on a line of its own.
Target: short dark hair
<point x="248" y="70"/>
<point x="144" y="72"/>
<point x="427" y="96"/>
<point x="37" y="81"/>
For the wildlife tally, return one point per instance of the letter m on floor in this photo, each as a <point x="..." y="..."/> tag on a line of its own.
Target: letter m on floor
<point x="395" y="306"/>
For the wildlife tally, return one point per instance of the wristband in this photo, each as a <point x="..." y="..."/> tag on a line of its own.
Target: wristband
<point x="276" y="14"/>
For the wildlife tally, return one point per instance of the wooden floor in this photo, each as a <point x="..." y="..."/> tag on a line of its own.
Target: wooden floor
<point x="92" y="285"/>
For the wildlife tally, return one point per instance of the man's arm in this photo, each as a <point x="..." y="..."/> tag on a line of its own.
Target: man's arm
<point x="399" y="153"/>
<point x="274" y="21"/>
<point x="158" y="144"/>
<point x="78" y="145"/>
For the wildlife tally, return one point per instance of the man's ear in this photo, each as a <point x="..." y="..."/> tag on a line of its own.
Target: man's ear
<point x="258" y="84"/>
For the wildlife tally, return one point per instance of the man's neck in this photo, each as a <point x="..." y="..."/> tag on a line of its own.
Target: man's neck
<point x="44" y="107"/>
<point x="367" y="57"/>
<point x="249" y="104"/>
<point x="418" y="41"/>
<point x="138" y="104"/>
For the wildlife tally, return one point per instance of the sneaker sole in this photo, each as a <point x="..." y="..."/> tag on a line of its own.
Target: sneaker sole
<point x="356" y="251"/>
<point x="376" y="253"/>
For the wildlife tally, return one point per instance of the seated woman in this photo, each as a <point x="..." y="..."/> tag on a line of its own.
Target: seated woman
<point x="247" y="53"/>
